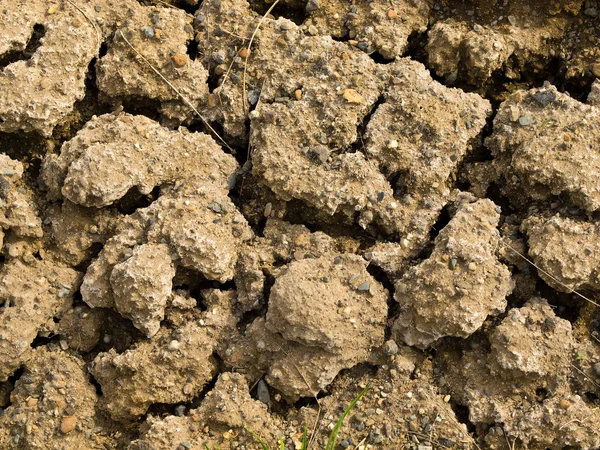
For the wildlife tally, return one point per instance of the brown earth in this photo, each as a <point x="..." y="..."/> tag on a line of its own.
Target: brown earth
<point x="199" y="240"/>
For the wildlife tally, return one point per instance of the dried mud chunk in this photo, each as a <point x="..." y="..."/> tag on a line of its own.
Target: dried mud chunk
<point x="511" y="41"/>
<point x="323" y="70"/>
<point x="453" y="291"/>
<point x="526" y="379"/>
<point x="172" y="367"/>
<point x="545" y="144"/>
<point x="227" y="410"/>
<point x="594" y="95"/>
<point x="325" y="314"/>
<point x="74" y="231"/>
<point x="161" y="36"/>
<point x="345" y="183"/>
<point x="32" y="295"/>
<point x="17" y="212"/>
<point x="142" y="284"/>
<point x="81" y="327"/>
<point x="532" y="341"/>
<point x="52" y="405"/>
<point x="419" y="136"/>
<point x="113" y="154"/>
<point x="202" y="231"/>
<point x="382" y="27"/>
<point x="310" y="299"/>
<point x="567" y="249"/>
<point x="39" y="92"/>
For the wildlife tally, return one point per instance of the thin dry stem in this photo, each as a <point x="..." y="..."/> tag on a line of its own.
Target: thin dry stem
<point x="183" y="97"/>
<point x="249" y="49"/>
<point x="549" y="275"/>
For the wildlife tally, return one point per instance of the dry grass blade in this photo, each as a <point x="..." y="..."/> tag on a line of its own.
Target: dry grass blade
<point x="249" y="50"/>
<point x="183" y="97"/>
<point x="549" y="275"/>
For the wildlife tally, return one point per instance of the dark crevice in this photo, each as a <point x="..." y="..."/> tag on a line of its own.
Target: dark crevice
<point x="565" y="305"/>
<point x="193" y="282"/>
<point x="442" y="220"/>
<point x="378" y="58"/>
<point x="195" y="403"/>
<point x="134" y="200"/>
<point x="35" y="41"/>
<point x="359" y="144"/>
<point x="462" y="415"/>
<point x="192" y="49"/>
<point x="297" y="15"/>
<point x="95" y="383"/>
<point x="94" y="250"/>
<point x="393" y="305"/>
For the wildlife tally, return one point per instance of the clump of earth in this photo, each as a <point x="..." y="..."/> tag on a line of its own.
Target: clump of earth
<point x="223" y="219"/>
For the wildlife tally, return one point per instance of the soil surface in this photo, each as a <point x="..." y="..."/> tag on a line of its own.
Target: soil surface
<point x="227" y="217"/>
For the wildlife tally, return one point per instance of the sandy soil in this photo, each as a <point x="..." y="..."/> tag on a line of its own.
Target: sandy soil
<point x="216" y="221"/>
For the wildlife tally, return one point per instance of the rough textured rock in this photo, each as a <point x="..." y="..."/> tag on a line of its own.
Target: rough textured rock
<point x="567" y="251"/>
<point x="228" y="411"/>
<point x="382" y="27"/>
<point x="32" y="294"/>
<point x="17" y="209"/>
<point x="324" y="315"/>
<point x="525" y="377"/>
<point x="114" y="153"/>
<point x="453" y="291"/>
<point x="419" y="136"/>
<point x="40" y="89"/>
<point x="192" y="224"/>
<point x="81" y="327"/>
<point x="142" y="284"/>
<point x="544" y="143"/>
<point x="52" y="406"/>
<point x="160" y="35"/>
<point x="172" y="367"/>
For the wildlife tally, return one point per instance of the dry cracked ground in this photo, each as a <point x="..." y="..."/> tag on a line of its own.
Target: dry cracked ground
<point x="220" y="217"/>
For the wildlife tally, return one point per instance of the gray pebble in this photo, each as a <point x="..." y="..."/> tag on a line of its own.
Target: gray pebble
<point x="262" y="392"/>
<point x="390" y="348"/>
<point x="363" y="287"/>
<point x="526" y="120"/>
<point x="148" y="32"/>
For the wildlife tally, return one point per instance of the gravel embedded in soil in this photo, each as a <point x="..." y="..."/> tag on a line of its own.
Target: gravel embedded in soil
<point x="398" y="193"/>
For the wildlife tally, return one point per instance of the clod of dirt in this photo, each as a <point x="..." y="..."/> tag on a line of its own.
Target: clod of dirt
<point x="74" y="231"/>
<point x="524" y="377"/>
<point x="282" y="243"/>
<point x="161" y="36"/>
<point x="228" y="411"/>
<point x="594" y="95"/>
<point x="52" y="405"/>
<point x="567" y="249"/>
<point x="193" y="224"/>
<point x="324" y="315"/>
<point x="173" y="367"/>
<point x="543" y="143"/>
<point x="382" y="27"/>
<point x="114" y="153"/>
<point x="419" y="135"/>
<point x="479" y="42"/>
<point x="453" y="291"/>
<point x="39" y="90"/>
<point x="33" y="294"/>
<point x="81" y="327"/>
<point x="17" y="212"/>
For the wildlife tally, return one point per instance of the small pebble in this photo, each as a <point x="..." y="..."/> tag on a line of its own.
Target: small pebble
<point x="179" y="60"/>
<point x="148" y="32"/>
<point x="68" y="424"/>
<point x="564" y="404"/>
<point x="390" y="348"/>
<point x="364" y="286"/>
<point x="188" y="388"/>
<point x="262" y="392"/>
<point x="173" y="345"/>
<point x="392" y="14"/>
<point x="525" y="121"/>
<point x="268" y="209"/>
<point x="244" y="53"/>
<point x="298" y="94"/>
